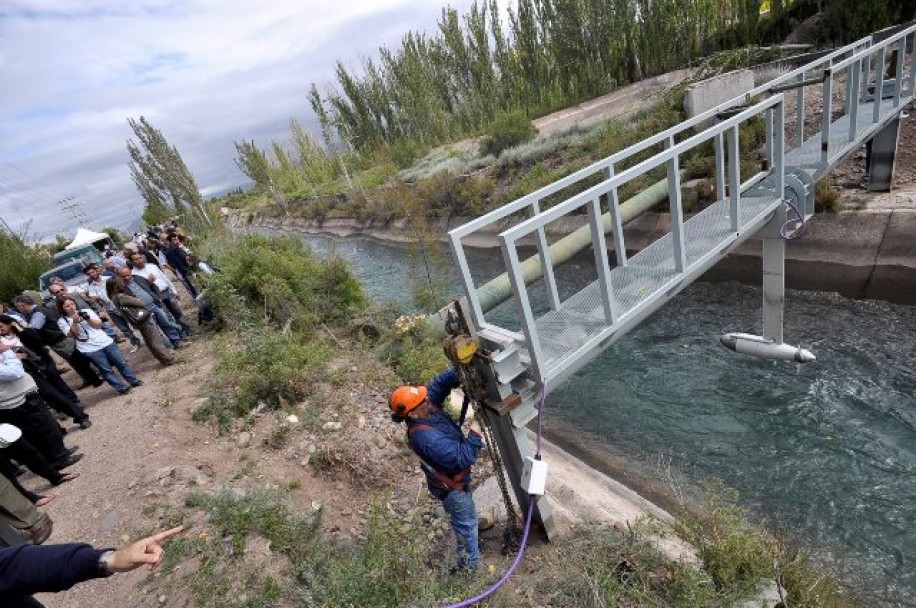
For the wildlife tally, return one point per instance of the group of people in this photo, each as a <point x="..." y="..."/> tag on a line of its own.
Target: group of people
<point x="130" y="292"/>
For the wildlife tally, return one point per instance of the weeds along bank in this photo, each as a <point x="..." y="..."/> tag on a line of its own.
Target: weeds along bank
<point x="296" y="340"/>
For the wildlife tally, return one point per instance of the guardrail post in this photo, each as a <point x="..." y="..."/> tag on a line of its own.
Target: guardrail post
<point x="800" y="112"/>
<point x="608" y="301"/>
<point x="768" y="118"/>
<point x="854" y="100"/>
<point x="898" y="72"/>
<point x="879" y="84"/>
<point x="467" y="280"/>
<point x="613" y="208"/>
<point x="779" y="146"/>
<point x="718" y="144"/>
<point x="517" y="281"/>
<point x="546" y="264"/>
<point x="826" y="118"/>
<point x="912" y="87"/>
<point x="849" y="90"/>
<point x="675" y="211"/>
<point x="734" y="178"/>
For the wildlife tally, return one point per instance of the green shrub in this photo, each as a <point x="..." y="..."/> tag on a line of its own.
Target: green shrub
<point x="217" y="408"/>
<point x="388" y="568"/>
<point x="508" y="129"/>
<point x="600" y="567"/>
<point x="280" y="281"/>
<point x="826" y="199"/>
<point x="445" y="194"/>
<point x="20" y="265"/>
<point x="736" y="556"/>
<point x="259" y="363"/>
<point x="412" y="349"/>
<point x="265" y="513"/>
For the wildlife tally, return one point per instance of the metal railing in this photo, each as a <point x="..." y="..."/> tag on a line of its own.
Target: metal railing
<point x="870" y="101"/>
<point x="612" y="310"/>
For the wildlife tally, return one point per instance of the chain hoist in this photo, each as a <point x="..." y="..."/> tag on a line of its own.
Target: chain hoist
<point x="464" y="352"/>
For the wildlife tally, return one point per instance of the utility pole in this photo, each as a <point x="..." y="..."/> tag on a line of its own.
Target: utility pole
<point x="75" y="209"/>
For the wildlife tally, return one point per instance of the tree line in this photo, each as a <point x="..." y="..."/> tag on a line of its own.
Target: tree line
<point x="455" y="82"/>
<point x="547" y="55"/>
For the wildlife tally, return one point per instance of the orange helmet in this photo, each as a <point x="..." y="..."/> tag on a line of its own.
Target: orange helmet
<point x="406" y="398"/>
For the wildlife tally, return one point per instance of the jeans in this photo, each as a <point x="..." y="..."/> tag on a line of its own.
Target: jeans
<point x="172" y="331"/>
<point x="168" y="300"/>
<point x="463" y="517"/>
<point x="105" y="358"/>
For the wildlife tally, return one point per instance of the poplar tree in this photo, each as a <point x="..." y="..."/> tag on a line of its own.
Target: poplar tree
<point x="159" y="173"/>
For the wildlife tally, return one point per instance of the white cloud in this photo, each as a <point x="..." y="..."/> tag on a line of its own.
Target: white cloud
<point x="205" y="72"/>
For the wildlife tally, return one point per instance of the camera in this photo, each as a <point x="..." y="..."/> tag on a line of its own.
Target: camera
<point x="84" y="315"/>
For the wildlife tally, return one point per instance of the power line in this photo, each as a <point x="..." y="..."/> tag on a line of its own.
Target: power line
<point x="75" y="209"/>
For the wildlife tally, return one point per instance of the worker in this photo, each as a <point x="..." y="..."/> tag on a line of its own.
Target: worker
<point x="446" y="456"/>
<point x="28" y="569"/>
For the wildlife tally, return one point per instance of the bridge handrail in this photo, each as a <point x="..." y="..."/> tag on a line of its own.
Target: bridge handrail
<point x="525" y="227"/>
<point x="608" y="162"/>
<point x="887" y="42"/>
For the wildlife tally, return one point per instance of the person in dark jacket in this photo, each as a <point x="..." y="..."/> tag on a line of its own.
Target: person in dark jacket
<point x="145" y="291"/>
<point x="43" y="319"/>
<point x="177" y="258"/>
<point x="28" y="569"/>
<point x="446" y="456"/>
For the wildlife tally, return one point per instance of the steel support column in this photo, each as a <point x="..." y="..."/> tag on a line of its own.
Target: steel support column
<point x="774" y="286"/>
<point x="880" y="155"/>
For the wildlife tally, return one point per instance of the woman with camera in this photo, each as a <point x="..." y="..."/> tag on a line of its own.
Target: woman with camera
<point x="86" y="328"/>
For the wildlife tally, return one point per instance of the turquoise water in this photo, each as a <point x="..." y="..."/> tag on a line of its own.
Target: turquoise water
<point x="826" y="456"/>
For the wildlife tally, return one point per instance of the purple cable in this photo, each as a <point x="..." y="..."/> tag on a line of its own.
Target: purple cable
<point x="521" y="551"/>
<point x="800" y="230"/>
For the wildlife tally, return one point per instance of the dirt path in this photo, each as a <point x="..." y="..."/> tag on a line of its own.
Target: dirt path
<point x="619" y="103"/>
<point x="132" y="438"/>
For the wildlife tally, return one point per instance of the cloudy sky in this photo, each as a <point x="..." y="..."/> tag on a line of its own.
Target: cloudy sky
<point x="205" y="72"/>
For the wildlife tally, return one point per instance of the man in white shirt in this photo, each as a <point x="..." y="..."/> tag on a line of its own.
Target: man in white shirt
<point x="96" y="288"/>
<point x="154" y="275"/>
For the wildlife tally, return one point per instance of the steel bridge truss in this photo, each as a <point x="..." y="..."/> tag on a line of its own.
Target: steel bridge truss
<point x="863" y="86"/>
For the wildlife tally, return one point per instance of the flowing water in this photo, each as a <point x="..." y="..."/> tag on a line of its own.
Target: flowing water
<point x="826" y="455"/>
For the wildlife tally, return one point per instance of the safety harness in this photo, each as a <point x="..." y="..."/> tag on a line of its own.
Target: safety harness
<point x="446" y="482"/>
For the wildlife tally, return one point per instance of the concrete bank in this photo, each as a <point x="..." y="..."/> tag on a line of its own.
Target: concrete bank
<point x="859" y="254"/>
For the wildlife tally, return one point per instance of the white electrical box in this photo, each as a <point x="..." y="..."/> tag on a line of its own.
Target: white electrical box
<point x="534" y="476"/>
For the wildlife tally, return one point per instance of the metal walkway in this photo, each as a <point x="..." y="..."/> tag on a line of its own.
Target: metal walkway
<point x="863" y="86"/>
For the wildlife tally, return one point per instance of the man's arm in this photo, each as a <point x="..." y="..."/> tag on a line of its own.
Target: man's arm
<point x="38" y="319"/>
<point x="10" y="365"/>
<point x="447" y="453"/>
<point x="28" y="569"/>
<point x="439" y="388"/>
<point x="94" y="320"/>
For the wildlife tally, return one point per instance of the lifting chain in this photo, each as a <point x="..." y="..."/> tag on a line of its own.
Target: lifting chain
<point x="462" y="351"/>
<point x="512" y="531"/>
